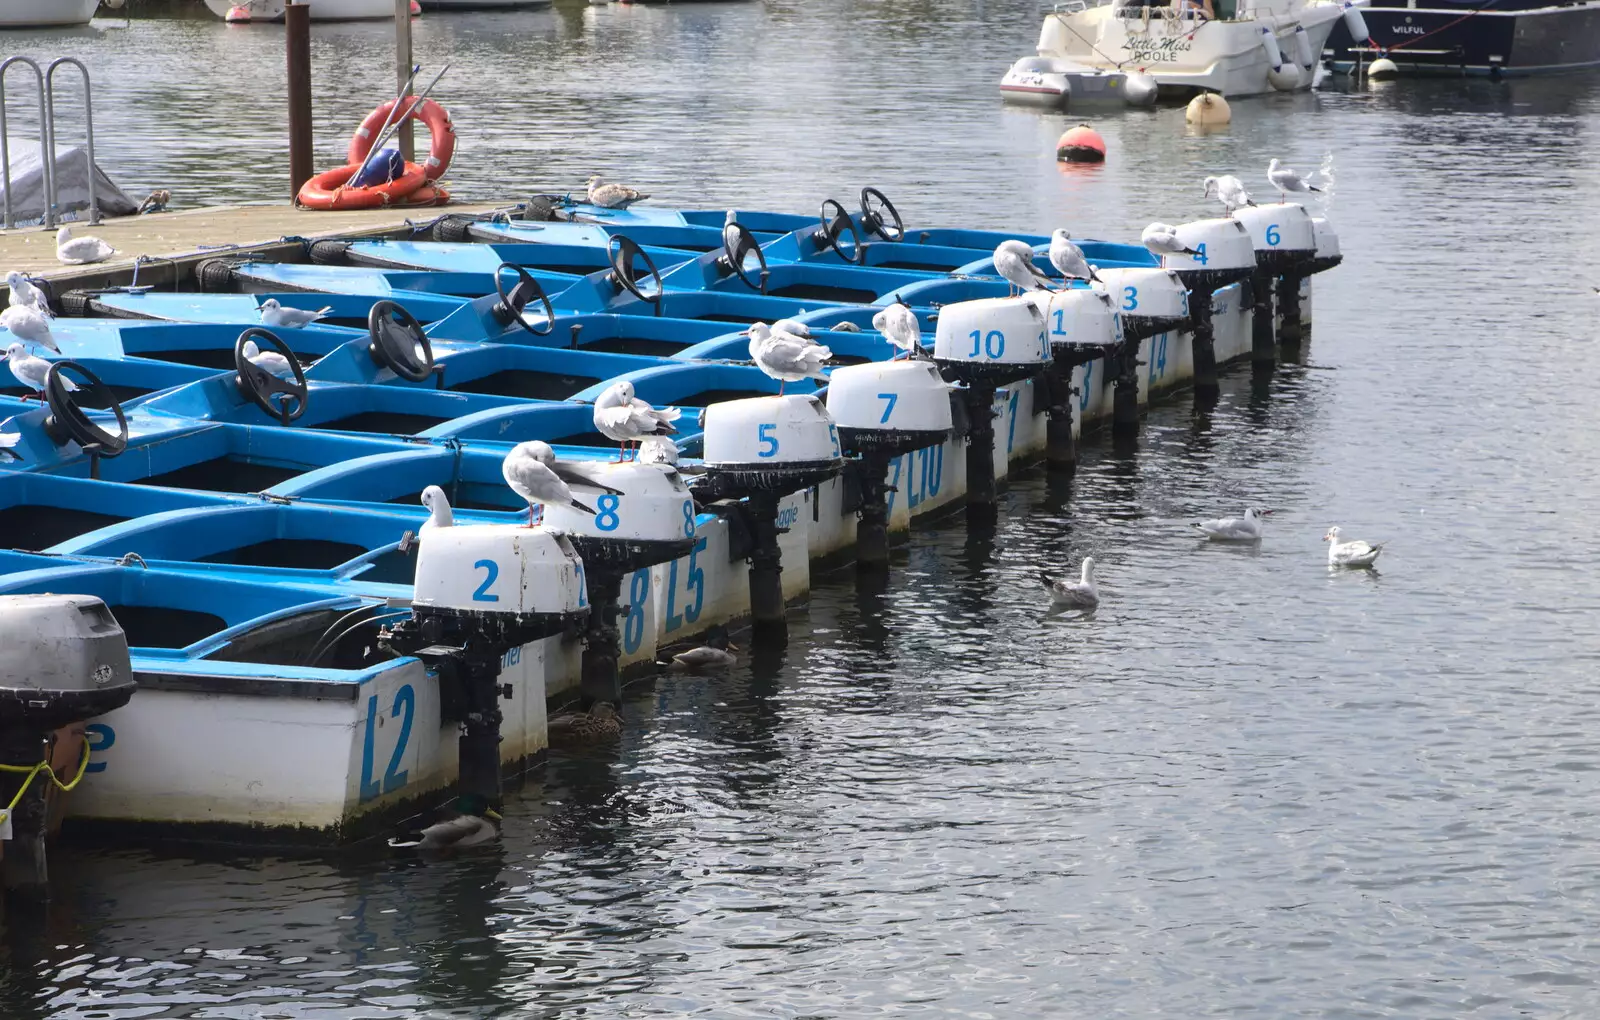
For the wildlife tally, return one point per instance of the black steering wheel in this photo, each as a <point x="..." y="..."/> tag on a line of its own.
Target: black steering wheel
<point x="746" y="244"/>
<point x="68" y="421"/>
<point x="261" y="385"/>
<point x="524" y="293"/>
<point x="876" y="214"/>
<point x="622" y="251"/>
<point x="834" y="227"/>
<point x="398" y="342"/>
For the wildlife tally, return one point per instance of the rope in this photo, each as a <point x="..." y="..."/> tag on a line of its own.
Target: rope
<point x="44" y="766"/>
<point x="1402" y="45"/>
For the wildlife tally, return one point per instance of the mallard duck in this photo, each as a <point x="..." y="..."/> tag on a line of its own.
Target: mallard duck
<point x="714" y="654"/>
<point x="474" y="825"/>
<point x="601" y="722"/>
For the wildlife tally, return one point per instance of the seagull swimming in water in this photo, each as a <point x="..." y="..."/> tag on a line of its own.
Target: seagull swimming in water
<point x="898" y="324"/>
<point x="26" y="323"/>
<point x="275" y="314"/>
<point x="1229" y="190"/>
<point x="786" y="357"/>
<point x="81" y="251"/>
<point x="1235" y="529"/>
<point x="272" y="361"/>
<point x="439" y="513"/>
<point x="623" y="417"/>
<point x="1013" y="260"/>
<point x="24" y="292"/>
<point x="1080" y="594"/>
<point x="1286" y="180"/>
<point x="29" y="370"/>
<point x="1162" y="240"/>
<point x="1350" y="554"/>
<point x="612" y="196"/>
<point x="531" y="470"/>
<point x="1068" y="258"/>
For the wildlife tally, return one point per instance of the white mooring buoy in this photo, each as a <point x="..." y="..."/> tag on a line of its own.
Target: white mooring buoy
<point x="1208" y="110"/>
<point x="1382" y="69"/>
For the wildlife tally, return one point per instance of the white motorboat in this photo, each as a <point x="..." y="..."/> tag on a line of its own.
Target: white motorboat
<point x="45" y="13"/>
<point x="1134" y="51"/>
<point x="483" y="5"/>
<point x="321" y="10"/>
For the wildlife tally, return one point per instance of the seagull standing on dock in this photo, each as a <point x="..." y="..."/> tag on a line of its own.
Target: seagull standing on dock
<point x="81" y="251"/>
<point x="31" y="371"/>
<point x="25" y="293"/>
<point x="1013" y="260"/>
<point x="439" y="513"/>
<point x="530" y="470"/>
<point x="275" y="314"/>
<point x="1286" y="180"/>
<point x="1162" y="240"/>
<point x="786" y="357"/>
<point x="612" y="196"/>
<point x="1229" y="190"/>
<point x="623" y="417"/>
<point x="28" y="324"/>
<point x="1350" y="554"/>
<point x="1080" y="594"/>
<point x="1068" y="258"/>
<point x="272" y="361"/>
<point x="1235" y="529"/>
<point x="899" y="325"/>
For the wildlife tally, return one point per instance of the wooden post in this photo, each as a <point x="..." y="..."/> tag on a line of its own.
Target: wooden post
<point x="402" y="71"/>
<point x="297" y="33"/>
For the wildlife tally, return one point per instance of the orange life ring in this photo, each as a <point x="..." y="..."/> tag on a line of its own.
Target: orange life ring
<point x="428" y="194"/>
<point x="441" y="146"/>
<point x="327" y="190"/>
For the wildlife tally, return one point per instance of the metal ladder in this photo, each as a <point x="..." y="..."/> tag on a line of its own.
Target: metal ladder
<point x="44" y="79"/>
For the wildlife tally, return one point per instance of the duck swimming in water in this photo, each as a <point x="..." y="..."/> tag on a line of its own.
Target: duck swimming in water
<point x="473" y="826"/>
<point x="714" y="654"/>
<point x="600" y="722"/>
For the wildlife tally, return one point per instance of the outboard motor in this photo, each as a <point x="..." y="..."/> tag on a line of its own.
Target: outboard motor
<point x="1150" y="301"/>
<point x="63" y="660"/>
<point x="1285" y="246"/>
<point x="480" y="591"/>
<point x="647" y="519"/>
<point x="1223" y="256"/>
<point x="986" y="344"/>
<point x="1082" y="325"/>
<point x="757" y="451"/>
<point x="885" y="409"/>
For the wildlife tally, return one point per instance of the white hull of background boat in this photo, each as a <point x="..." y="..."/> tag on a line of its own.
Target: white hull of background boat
<point x="46" y="13"/>
<point x="482" y="5"/>
<point x="321" y="10"/>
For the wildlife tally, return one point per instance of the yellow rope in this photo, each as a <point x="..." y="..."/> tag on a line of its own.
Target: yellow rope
<point x="44" y="766"/>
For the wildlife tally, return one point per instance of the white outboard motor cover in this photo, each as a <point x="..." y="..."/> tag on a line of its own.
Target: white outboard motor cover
<point x="655" y="505"/>
<point x="769" y="432"/>
<point x="992" y="331"/>
<point x="1326" y="237"/>
<point x="901" y="395"/>
<point x="498" y="568"/>
<point x="1081" y="316"/>
<point x="1157" y="293"/>
<point x="1281" y="226"/>
<point x="1223" y="243"/>
<point x="63" y="659"/>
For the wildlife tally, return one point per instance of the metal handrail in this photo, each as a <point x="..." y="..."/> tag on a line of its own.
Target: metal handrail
<point x="88" y="122"/>
<point x="45" y="151"/>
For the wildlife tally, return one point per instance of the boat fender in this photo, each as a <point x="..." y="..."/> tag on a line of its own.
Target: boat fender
<point x="1354" y="22"/>
<point x="238" y="14"/>
<point x="1082" y="144"/>
<point x="1269" y="43"/>
<point x="1286" y="78"/>
<point x="1302" y="47"/>
<point x="441" y="141"/>
<point x="214" y="276"/>
<point x="1140" y="90"/>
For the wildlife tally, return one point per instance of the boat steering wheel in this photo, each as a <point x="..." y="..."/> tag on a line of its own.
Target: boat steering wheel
<point x="523" y="293"/>
<point x="398" y="342"/>
<point x="68" y="421"/>
<point x="622" y="251"/>
<point x="877" y="212"/>
<point x="261" y="386"/>
<point x="745" y="245"/>
<point x="834" y="226"/>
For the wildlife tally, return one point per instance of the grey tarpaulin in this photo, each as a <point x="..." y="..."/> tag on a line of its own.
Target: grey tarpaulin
<point x="72" y="185"/>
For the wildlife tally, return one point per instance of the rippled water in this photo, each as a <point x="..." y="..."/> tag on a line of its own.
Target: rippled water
<point x="1245" y="788"/>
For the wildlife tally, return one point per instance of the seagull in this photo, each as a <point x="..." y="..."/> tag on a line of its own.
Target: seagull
<point x="439" y="513"/>
<point x="1068" y="258"/>
<point x="612" y="196"/>
<point x="1013" y="260"/>
<point x="1162" y="240"/>
<point x="26" y="323"/>
<point x="657" y="450"/>
<point x="1350" y="554"/>
<point x="623" y="417"/>
<point x="714" y="654"/>
<point x="1074" y="594"/>
<point x="8" y="440"/>
<point x="81" y="251"/>
<point x="794" y="327"/>
<point x="1285" y="179"/>
<point x="850" y="327"/>
<point x="530" y="471"/>
<point x="730" y="236"/>
<point x="1235" y="529"/>
<point x="898" y="324"/>
<point x="786" y="357"/>
<point x="272" y="361"/>
<point x="1229" y="191"/>
<point x="31" y="371"/>
<point x="25" y="293"/>
<point x="274" y="314"/>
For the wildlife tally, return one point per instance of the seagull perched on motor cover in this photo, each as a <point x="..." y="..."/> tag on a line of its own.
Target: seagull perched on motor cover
<point x="1013" y="260"/>
<point x="81" y="251"/>
<point x="657" y="450"/>
<point x="272" y="361"/>
<point x="25" y="322"/>
<point x="1286" y="180"/>
<point x="1068" y="258"/>
<point x="29" y="370"/>
<point x="274" y="313"/>
<point x="1162" y="240"/>
<point x="623" y="417"/>
<point x="1235" y="529"/>
<point x="439" y="513"/>
<point x="1350" y="554"/>
<point x="899" y="325"/>
<point x="1229" y="190"/>
<point x="786" y="357"/>
<point x="25" y="293"/>
<point x="612" y="196"/>
<point x="1080" y="594"/>
<point x="532" y="471"/>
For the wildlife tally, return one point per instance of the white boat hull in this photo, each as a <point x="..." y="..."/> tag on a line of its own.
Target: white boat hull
<point x="46" y="13"/>
<point x="321" y="10"/>
<point x="483" y="5"/>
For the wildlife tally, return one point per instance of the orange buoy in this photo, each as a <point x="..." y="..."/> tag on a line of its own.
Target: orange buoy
<point x="328" y="190"/>
<point x="441" y="135"/>
<point x="1082" y="144"/>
